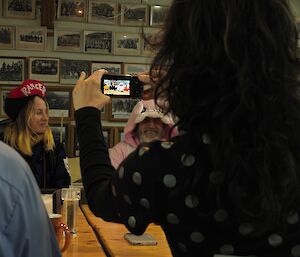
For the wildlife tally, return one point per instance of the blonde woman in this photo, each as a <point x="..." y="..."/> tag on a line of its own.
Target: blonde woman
<point x="29" y="133"/>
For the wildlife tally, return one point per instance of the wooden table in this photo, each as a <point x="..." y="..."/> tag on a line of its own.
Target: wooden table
<point x="85" y="242"/>
<point x="111" y="236"/>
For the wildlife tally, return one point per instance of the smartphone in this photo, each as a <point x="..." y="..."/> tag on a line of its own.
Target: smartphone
<point x="144" y="239"/>
<point x="122" y="86"/>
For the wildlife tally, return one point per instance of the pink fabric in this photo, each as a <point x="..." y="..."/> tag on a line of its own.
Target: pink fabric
<point x="121" y="150"/>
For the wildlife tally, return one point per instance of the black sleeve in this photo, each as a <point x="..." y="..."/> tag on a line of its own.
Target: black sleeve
<point x="97" y="171"/>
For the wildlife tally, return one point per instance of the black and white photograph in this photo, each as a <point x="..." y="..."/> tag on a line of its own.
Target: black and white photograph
<point x="134" y="69"/>
<point x="112" y="68"/>
<point x="59" y="132"/>
<point x="127" y="43"/>
<point x="72" y="10"/>
<point x="24" y="9"/>
<point x="158" y="14"/>
<point x="71" y="69"/>
<point x="68" y="41"/>
<point x="59" y="103"/>
<point x="12" y="70"/>
<point x="3" y="92"/>
<point x="103" y="11"/>
<point x="7" y="37"/>
<point x="121" y="108"/>
<point x="98" y="42"/>
<point x="44" y="69"/>
<point x="31" y="38"/>
<point x="134" y="15"/>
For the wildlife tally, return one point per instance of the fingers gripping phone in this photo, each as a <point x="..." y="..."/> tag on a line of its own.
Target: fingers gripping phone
<point x="122" y="86"/>
<point x="144" y="239"/>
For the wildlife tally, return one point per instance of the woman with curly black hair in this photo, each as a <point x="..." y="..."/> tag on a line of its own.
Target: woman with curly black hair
<point x="230" y="184"/>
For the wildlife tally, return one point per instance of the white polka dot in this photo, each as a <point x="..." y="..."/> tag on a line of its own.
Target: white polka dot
<point x="182" y="247"/>
<point x="143" y="149"/>
<point x="296" y="251"/>
<point x="132" y="221"/>
<point x="169" y="180"/>
<point x="191" y="201"/>
<point x="166" y="145"/>
<point x="221" y="215"/>
<point x="145" y="203"/>
<point x="187" y="160"/>
<point x="197" y="237"/>
<point x="113" y="190"/>
<point x="227" y="249"/>
<point x="245" y="229"/>
<point x="127" y="199"/>
<point x="293" y="218"/>
<point x="121" y="172"/>
<point x="206" y="139"/>
<point x="137" y="178"/>
<point x="172" y="218"/>
<point x="275" y="240"/>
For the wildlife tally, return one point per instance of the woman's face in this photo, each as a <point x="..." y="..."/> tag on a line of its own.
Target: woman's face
<point x="38" y="120"/>
<point x="150" y="129"/>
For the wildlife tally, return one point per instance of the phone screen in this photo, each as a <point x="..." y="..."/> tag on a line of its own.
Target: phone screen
<point x="119" y="87"/>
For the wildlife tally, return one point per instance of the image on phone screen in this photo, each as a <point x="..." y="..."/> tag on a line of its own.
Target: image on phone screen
<point x="119" y="87"/>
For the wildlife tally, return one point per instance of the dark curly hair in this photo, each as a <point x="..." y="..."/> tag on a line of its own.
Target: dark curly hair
<point x="229" y="68"/>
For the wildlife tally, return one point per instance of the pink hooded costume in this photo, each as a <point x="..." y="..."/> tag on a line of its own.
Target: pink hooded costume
<point x="142" y="110"/>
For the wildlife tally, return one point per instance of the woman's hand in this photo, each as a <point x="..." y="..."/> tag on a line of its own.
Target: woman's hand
<point x="87" y="92"/>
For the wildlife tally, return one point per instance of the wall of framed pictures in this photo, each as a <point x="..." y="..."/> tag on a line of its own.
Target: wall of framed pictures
<point x="87" y="35"/>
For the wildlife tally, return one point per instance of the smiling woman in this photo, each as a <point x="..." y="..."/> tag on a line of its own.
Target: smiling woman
<point x="29" y="133"/>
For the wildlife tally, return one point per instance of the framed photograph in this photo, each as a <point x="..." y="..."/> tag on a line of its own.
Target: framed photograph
<point x="112" y="68"/>
<point x="119" y="135"/>
<point x="3" y="92"/>
<point x="12" y="70"/>
<point x="68" y="40"/>
<point x="127" y="43"/>
<point x="135" y="68"/>
<point x="71" y="69"/>
<point x="147" y="49"/>
<point x="44" y="69"/>
<point x="61" y="133"/>
<point x="24" y="9"/>
<point x="31" y="38"/>
<point x="98" y="42"/>
<point x="134" y="15"/>
<point x="103" y="11"/>
<point x="121" y="108"/>
<point x="158" y="14"/>
<point x="72" y="10"/>
<point x="7" y="37"/>
<point x="60" y="103"/>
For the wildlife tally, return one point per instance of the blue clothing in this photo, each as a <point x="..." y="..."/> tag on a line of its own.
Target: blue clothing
<point x="52" y="163"/>
<point x="25" y="229"/>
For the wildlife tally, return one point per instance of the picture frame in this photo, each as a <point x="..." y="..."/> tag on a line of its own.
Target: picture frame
<point x="60" y="103"/>
<point x="112" y="68"/>
<point x="158" y="14"/>
<point x="68" y="40"/>
<point x="7" y="37"/>
<point x="31" y="38"/>
<point x="118" y="135"/>
<point x="146" y="49"/>
<point x="12" y="70"/>
<point x="103" y="11"/>
<point x="71" y="69"/>
<point x="100" y="42"/>
<point x="134" y="15"/>
<point x="25" y="10"/>
<point x="61" y="132"/>
<point x="121" y="108"/>
<point x="44" y="69"/>
<point x="127" y="43"/>
<point x="3" y="94"/>
<point x="134" y="69"/>
<point x="72" y="10"/>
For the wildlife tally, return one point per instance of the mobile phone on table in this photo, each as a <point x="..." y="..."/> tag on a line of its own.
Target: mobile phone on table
<point x="144" y="239"/>
<point x="121" y="86"/>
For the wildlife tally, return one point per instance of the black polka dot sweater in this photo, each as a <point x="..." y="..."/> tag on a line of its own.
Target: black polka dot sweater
<point x="171" y="184"/>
